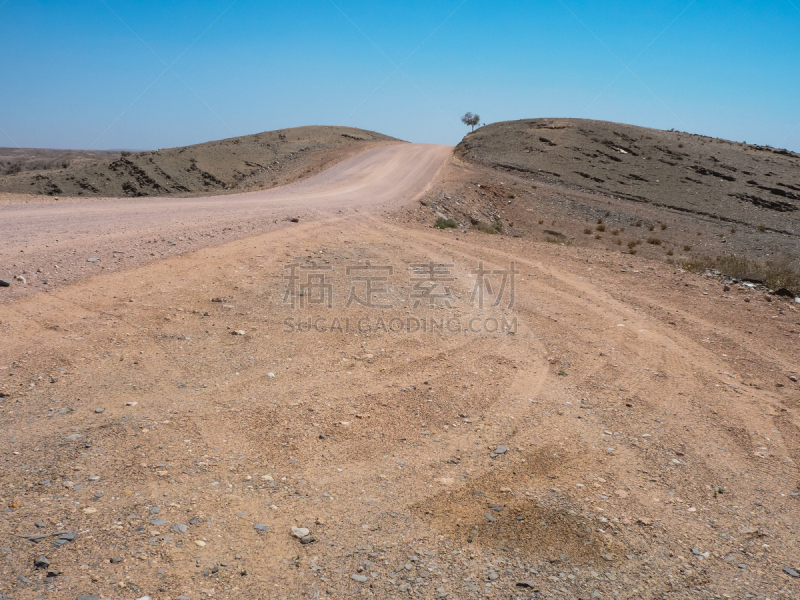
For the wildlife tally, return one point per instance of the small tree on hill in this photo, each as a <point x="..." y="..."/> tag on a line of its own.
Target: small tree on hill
<point x="471" y="120"/>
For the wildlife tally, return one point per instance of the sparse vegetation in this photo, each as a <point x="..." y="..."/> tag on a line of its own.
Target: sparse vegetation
<point x="654" y="240"/>
<point x="597" y="236"/>
<point x="651" y="228"/>
<point x="780" y="272"/>
<point x="687" y="248"/>
<point x="615" y="232"/>
<point x="445" y="223"/>
<point x="663" y="226"/>
<point x="601" y="227"/>
<point x="632" y="244"/>
<point x="490" y="228"/>
<point x="670" y="252"/>
<point x="587" y="231"/>
<point x="762" y="227"/>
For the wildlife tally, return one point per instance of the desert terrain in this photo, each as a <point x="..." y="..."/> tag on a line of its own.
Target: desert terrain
<point x="408" y="374"/>
<point x="227" y="166"/>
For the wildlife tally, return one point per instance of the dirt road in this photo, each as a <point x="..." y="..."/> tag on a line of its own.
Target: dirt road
<point x="124" y="232"/>
<point x="607" y="426"/>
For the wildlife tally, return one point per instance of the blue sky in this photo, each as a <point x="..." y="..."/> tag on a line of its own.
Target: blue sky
<point x="154" y="74"/>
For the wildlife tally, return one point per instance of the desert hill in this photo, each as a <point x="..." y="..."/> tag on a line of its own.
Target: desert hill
<point x="730" y="181"/>
<point x="18" y="160"/>
<point x="224" y="166"/>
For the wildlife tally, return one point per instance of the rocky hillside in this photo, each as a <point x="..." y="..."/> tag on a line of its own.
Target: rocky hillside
<point x="224" y="166"/>
<point x="730" y="181"/>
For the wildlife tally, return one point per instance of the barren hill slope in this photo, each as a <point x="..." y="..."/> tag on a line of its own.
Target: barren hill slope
<point x="231" y="165"/>
<point x="731" y="181"/>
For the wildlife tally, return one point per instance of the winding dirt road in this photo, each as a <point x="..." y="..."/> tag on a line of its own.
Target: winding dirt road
<point x="124" y="232"/>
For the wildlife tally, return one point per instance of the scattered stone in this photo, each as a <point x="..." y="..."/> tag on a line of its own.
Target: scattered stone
<point x="791" y="572"/>
<point x="793" y="378"/>
<point x="608" y="557"/>
<point x="93" y="259"/>
<point x="94" y="478"/>
<point x="40" y="524"/>
<point x="88" y="597"/>
<point x="5" y="283"/>
<point x="99" y="410"/>
<point x="180" y="528"/>
<point x="501" y="450"/>
<point x="359" y="578"/>
<point x="261" y="527"/>
<point x="271" y="375"/>
<point x="300" y="532"/>
<point x="493" y="575"/>
<point x="131" y="403"/>
<point x="41" y="562"/>
<point x="238" y="332"/>
<point x="116" y="559"/>
<point x="307" y="539"/>
<point x="200" y="543"/>
<point x="490" y="517"/>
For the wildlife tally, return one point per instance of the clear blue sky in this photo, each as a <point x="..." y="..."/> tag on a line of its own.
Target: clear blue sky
<point x="93" y="73"/>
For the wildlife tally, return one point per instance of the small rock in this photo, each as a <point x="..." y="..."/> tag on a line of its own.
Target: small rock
<point x="608" y="557"/>
<point x="131" y="403"/>
<point x="490" y="517"/>
<point x="89" y="510"/>
<point x="5" y="283"/>
<point x="307" y="539"/>
<point x="493" y="576"/>
<point x="41" y="562"/>
<point x="94" y="478"/>
<point x="179" y="528"/>
<point x="501" y="450"/>
<point x="261" y="527"/>
<point x="88" y="597"/>
<point x="791" y="572"/>
<point x="40" y="524"/>
<point x="792" y="378"/>
<point x="300" y="532"/>
<point x="238" y="332"/>
<point x="271" y="375"/>
<point x="93" y="259"/>
<point x="99" y="410"/>
<point x="200" y="543"/>
<point x="526" y="584"/>
<point x="116" y="559"/>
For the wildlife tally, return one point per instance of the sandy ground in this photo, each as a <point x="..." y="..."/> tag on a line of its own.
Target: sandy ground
<point x="621" y="429"/>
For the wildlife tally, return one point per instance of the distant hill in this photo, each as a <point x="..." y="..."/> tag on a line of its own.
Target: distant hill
<point x="730" y="181"/>
<point x="18" y="160"/>
<point x="225" y="166"/>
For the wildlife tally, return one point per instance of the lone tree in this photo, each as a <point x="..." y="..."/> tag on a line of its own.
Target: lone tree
<point x="471" y="120"/>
